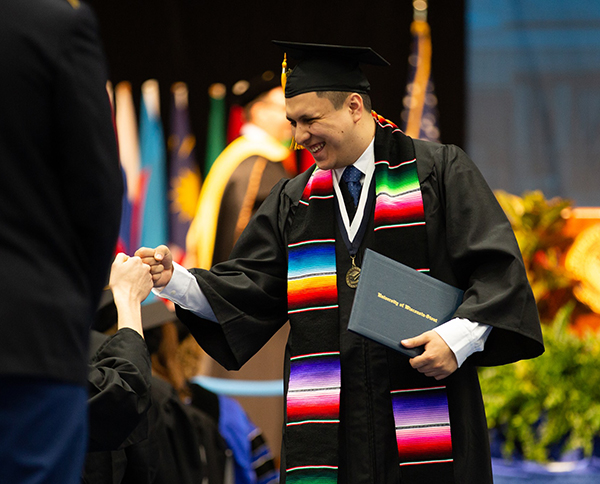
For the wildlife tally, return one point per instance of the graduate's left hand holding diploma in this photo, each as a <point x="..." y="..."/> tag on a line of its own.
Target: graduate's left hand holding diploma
<point x="160" y="261"/>
<point x="437" y="361"/>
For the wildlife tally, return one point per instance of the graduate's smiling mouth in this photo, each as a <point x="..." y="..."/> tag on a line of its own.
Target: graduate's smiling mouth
<point x="314" y="149"/>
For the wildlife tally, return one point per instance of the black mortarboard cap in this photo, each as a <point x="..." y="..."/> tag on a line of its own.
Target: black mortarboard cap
<point x="246" y="91"/>
<point x="323" y="67"/>
<point x="154" y="314"/>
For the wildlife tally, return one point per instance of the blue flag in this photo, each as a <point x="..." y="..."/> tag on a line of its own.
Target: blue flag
<point x="153" y="192"/>
<point x="184" y="175"/>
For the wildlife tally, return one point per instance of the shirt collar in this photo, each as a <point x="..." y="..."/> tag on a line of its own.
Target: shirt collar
<point x="366" y="164"/>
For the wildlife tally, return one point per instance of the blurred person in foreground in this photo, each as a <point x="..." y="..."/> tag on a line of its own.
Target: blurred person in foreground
<point x="357" y="411"/>
<point x="60" y="206"/>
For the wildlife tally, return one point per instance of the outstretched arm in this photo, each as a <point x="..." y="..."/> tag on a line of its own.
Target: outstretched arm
<point x="131" y="282"/>
<point x="119" y="372"/>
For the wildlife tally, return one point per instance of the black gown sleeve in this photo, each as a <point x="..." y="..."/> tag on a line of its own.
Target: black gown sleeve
<point x="472" y="246"/>
<point x="119" y="379"/>
<point x="248" y="292"/>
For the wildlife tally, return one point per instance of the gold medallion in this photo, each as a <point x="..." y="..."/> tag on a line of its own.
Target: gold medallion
<point x="353" y="275"/>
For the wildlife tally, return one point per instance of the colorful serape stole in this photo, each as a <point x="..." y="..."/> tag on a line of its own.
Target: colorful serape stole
<point x="313" y="391"/>
<point x="420" y="414"/>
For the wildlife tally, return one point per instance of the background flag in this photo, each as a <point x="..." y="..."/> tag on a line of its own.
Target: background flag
<point x="153" y="186"/>
<point x="234" y="122"/>
<point x="216" y="137"/>
<point x="184" y="185"/>
<point x="420" y="103"/>
<point x="129" y="153"/>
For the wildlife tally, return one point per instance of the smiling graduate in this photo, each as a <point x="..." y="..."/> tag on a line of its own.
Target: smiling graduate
<point x="357" y="411"/>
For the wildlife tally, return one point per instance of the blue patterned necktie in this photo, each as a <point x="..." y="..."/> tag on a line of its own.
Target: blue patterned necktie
<point x="352" y="177"/>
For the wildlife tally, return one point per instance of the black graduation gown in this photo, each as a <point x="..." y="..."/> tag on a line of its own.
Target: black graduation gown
<point x="471" y="245"/>
<point x="177" y="443"/>
<point x="119" y="399"/>
<point x="119" y="376"/>
<point x="190" y="448"/>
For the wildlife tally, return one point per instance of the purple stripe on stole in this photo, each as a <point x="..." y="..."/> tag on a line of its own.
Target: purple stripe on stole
<point x="422" y="425"/>
<point x="314" y="388"/>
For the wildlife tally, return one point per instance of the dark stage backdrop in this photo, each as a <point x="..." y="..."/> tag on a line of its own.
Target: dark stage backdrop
<point x="201" y="42"/>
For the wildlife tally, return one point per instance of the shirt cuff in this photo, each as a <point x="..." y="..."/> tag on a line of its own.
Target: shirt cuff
<point x="464" y="337"/>
<point x="184" y="291"/>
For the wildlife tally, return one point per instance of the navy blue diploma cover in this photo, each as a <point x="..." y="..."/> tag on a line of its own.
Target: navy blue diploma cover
<point x="395" y="302"/>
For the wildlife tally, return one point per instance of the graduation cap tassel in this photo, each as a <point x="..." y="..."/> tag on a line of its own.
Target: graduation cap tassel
<point x="293" y="144"/>
<point x="284" y="71"/>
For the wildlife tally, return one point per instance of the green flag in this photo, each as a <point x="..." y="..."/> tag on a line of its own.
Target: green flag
<point x="216" y="133"/>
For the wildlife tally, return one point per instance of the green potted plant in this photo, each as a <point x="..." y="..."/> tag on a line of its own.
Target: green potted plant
<point x="551" y="402"/>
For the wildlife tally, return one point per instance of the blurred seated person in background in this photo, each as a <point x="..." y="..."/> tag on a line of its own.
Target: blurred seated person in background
<point x="177" y="358"/>
<point x="190" y="446"/>
<point x="244" y="173"/>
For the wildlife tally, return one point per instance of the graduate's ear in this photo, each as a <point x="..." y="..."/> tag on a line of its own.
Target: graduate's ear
<point x="356" y="106"/>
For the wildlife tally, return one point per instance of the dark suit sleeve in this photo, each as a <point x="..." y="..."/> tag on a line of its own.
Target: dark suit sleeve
<point x="89" y="168"/>
<point x="118" y="391"/>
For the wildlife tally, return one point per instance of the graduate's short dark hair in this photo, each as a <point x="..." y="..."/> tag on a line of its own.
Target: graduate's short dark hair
<point x="338" y="98"/>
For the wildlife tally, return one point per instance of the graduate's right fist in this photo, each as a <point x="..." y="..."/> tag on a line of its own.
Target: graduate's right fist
<point x="160" y="261"/>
